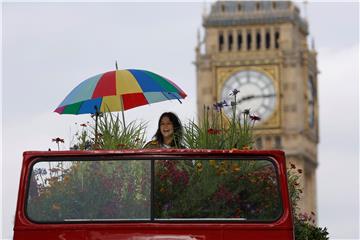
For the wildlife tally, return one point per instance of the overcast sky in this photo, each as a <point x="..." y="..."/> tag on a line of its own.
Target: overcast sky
<point x="49" y="48"/>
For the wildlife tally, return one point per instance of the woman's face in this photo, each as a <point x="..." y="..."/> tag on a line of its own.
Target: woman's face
<point x="166" y="127"/>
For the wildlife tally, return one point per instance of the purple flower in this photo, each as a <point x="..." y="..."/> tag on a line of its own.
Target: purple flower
<point x="40" y="171"/>
<point x="247" y="112"/>
<point x="167" y="206"/>
<point x="219" y="105"/>
<point x="234" y="92"/>
<point x="255" y="118"/>
<point x="58" y="140"/>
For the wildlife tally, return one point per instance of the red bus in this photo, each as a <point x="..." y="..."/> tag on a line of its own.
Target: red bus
<point x="154" y="194"/>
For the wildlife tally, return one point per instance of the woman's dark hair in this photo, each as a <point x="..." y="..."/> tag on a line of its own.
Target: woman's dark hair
<point x="178" y="130"/>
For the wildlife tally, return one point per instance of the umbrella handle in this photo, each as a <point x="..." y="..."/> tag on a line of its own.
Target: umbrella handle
<point x="121" y="101"/>
<point x="96" y="125"/>
<point x="122" y="111"/>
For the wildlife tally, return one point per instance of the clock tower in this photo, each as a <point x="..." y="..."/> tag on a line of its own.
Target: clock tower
<point x="260" y="48"/>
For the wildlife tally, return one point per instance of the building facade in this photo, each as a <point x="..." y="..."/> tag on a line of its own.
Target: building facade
<point x="261" y="49"/>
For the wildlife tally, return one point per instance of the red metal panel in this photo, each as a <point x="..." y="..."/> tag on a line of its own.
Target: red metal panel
<point x="50" y="234"/>
<point x="282" y="229"/>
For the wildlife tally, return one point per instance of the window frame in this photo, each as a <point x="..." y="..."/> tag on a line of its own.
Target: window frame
<point x="152" y="159"/>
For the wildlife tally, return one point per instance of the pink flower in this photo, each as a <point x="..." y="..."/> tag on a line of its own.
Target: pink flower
<point x="223" y="194"/>
<point x="121" y="145"/>
<point x="213" y="131"/>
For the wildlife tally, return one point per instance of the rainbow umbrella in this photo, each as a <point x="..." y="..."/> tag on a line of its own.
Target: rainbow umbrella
<point x="119" y="90"/>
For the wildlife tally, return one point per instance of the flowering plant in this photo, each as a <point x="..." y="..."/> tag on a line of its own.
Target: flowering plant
<point x="89" y="190"/>
<point x="304" y="223"/>
<point x="183" y="188"/>
<point x="217" y="131"/>
<point x="110" y="134"/>
<point x="241" y="189"/>
<point x="212" y="188"/>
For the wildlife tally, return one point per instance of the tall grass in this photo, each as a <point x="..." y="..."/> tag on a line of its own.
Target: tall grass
<point x="111" y="134"/>
<point x="218" y="131"/>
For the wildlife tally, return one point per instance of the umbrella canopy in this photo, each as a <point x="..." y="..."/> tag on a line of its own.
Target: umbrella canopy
<point x="119" y="90"/>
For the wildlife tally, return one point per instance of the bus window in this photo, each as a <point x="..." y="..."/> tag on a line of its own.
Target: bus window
<point x="245" y="190"/>
<point x="183" y="190"/>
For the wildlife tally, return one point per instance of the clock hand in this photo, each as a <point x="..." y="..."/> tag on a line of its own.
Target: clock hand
<point x="246" y="98"/>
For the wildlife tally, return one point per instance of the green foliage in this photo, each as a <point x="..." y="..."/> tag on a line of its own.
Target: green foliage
<point x="121" y="190"/>
<point x="216" y="131"/>
<point x="295" y="191"/>
<point x="111" y="134"/>
<point x="304" y="230"/>
<point x="304" y="223"/>
<point x="216" y="189"/>
<point x="91" y="190"/>
<point x="213" y="187"/>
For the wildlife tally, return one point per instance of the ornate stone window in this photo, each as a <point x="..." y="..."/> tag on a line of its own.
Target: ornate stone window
<point x="274" y="5"/>
<point x="239" y="41"/>
<point x="257" y="6"/>
<point x="221" y="41"/>
<point x="248" y="40"/>
<point x="267" y="39"/>
<point x="259" y="144"/>
<point x="278" y="144"/>
<point x="258" y="40"/>
<point x="277" y="37"/>
<point x="230" y="41"/>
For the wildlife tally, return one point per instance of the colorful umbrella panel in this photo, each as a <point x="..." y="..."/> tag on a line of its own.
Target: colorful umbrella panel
<point x="119" y="90"/>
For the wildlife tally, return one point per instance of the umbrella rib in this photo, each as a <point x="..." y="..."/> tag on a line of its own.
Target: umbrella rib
<point x="169" y="93"/>
<point x="176" y="97"/>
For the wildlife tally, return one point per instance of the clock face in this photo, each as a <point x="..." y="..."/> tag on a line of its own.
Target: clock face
<point x="257" y="93"/>
<point x="310" y="103"/>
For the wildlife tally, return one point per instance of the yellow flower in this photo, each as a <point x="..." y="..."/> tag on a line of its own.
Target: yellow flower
<point x="162" y="189"/>
<point x="235" y="167"/>
<point x="199" y="167"/>
<point x="224" y="165"/>
<point x="246" y="147"/>
<point x="56" y="206"/>
<point x="212" y="162"/>
<point x="66" y="179"/>
<point x="221" y="172"/>
<point x="47" y="193"/>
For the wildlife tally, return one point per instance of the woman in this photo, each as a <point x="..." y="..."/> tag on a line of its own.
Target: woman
<point x="169" y="133"/>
